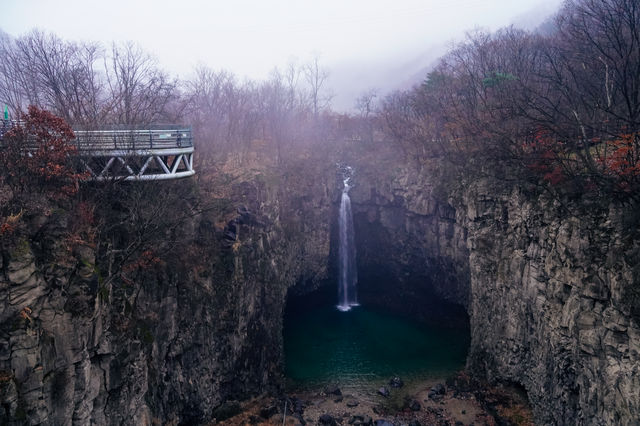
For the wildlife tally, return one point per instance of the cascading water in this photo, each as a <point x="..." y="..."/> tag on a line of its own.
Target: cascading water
<point x="347" y="273"/>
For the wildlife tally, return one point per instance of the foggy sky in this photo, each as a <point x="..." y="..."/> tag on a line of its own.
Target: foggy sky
<point x="364" y="43"/>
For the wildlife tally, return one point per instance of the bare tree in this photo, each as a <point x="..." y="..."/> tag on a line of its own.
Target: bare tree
<point x="226" y="114"/>
<point x="560" y="108"/>
<point x="139" y="91"/>
<point x="280" y="107"/>
<point x="12" y="84"/>
<point x="365" y="104"/>
<point x="41" y="69"/>
<point x="316" y="78"/>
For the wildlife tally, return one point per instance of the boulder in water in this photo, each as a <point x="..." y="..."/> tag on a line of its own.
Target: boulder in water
<point x="437" y="392"/>
<point x="411" y="404"/>
<point x="356" y="419"/>
<point x="360" y="420"/>
<point x="384" y="391"/>
<point x="434" y="396"/>
<point x="333" y="390"/>
<point x="439" y="389"/>
<point x="414" y="405"/>
<point x="396" y="382"/>
<point x="327" y="419"/>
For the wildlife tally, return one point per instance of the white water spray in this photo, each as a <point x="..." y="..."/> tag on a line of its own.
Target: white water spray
<point x="347" y="273"/>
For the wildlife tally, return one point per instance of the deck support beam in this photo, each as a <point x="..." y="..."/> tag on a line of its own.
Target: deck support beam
<point x="100" y="164"/>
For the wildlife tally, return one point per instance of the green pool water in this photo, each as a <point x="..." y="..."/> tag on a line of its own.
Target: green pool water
<point x="353" y="349"/>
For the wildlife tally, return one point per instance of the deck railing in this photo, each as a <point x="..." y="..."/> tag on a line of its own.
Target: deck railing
<point x="153" y="153"/>
<point x="116" y="137"/>
<point x="99" y="140"/>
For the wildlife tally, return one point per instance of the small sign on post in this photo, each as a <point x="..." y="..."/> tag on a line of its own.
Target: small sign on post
<point x="6" y="112"/>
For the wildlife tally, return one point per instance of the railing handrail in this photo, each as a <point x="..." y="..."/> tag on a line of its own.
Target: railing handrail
<point x="127" y="127"/>
<point x="146" y="131"/>
<point x="152" y="137"/>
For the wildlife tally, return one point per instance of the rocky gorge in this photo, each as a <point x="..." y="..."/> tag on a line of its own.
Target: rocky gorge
<point x="548" y="289"/>
<point x="171" y="347"/>
<point x="549" y="285"/>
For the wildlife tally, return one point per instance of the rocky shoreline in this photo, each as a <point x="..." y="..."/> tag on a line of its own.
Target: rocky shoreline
<point x="457" y="401"/>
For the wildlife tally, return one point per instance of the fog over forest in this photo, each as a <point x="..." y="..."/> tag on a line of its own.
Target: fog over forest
<point x="368" y="45"/>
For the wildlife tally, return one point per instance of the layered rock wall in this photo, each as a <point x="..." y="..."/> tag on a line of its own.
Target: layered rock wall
<point x="548" y="310"/>
<point x="549" y="288"/>
<point x="172" y="345"/>
<point x="545" y="284"/>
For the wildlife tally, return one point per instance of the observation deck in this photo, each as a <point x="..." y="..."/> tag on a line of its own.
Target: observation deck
<point x="158" y="152"/>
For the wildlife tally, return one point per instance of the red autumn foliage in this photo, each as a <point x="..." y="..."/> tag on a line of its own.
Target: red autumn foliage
<point x="555" y="176"/>
<point x="6" y="228"/>
<point x="624" y="160"/>
<point x="37" y="155"/>
<point x="543" y="158"/>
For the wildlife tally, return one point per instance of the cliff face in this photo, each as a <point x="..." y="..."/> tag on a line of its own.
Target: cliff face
<point x="174" y="344"/>
<point x="550" y="291"/>
<point x="547" y="290"/>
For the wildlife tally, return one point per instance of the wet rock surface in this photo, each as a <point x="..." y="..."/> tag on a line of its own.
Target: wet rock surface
<point x="332" y="390"/>
<point x="471" y="403"/>
<point x="396" y="382"/>
<point x="179" y="342"/>
<point x="550" y="288"/>
<point x="547" y="283"/>
<point x="384" y="391"/>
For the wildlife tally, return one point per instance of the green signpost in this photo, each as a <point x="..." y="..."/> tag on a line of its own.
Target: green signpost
<point x="6" y="112"/>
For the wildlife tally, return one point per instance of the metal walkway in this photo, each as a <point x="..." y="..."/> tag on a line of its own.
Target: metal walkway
<point x="116" y="153"/>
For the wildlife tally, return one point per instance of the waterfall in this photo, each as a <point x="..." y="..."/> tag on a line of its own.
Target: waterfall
<point x="347" y="273"/>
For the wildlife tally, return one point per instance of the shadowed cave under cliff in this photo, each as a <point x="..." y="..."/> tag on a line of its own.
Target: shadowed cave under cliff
<point x="400" y="293"/>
